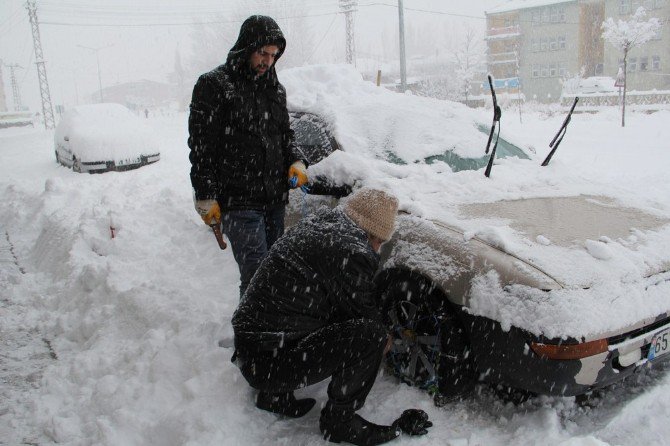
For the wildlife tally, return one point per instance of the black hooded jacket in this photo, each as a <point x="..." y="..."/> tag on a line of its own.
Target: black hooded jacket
<point x="320" y="272"/>
<point x="239" y="134"/>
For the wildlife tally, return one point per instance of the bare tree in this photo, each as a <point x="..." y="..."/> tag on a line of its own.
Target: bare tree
<point x="627" y="34"/>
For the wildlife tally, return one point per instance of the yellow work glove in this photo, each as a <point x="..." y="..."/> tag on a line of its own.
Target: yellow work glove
<point x="297" y="174"/>
<point x="209" y="211"/>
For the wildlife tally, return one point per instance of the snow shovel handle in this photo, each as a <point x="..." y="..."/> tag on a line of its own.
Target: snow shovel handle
<point x="219" y="236"/>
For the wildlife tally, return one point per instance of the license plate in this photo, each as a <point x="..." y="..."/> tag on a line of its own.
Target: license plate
<point x="660" y="344"/>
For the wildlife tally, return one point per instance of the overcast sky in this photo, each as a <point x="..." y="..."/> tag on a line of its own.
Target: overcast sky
<point x="138" y="39"/>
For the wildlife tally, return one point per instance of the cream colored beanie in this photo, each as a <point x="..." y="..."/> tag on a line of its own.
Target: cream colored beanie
<point x="373" y="211"/>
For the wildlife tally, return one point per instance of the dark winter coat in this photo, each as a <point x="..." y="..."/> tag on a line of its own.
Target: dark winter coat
<point x="239" y="134"/>
<point x="320" y="272"/>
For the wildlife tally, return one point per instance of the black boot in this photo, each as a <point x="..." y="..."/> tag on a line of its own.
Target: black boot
<point x="284" y="404"/>
<point x="355" y="430"/>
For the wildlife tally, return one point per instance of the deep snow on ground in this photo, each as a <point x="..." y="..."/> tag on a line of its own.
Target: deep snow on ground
<point x="134" y="321"/>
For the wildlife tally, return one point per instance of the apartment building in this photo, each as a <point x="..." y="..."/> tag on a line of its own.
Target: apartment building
<point x="536" y="44"/>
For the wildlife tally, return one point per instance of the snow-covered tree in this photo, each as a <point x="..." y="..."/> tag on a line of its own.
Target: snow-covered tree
<point x="627" y="34"/>
<point x="468" y="57"/>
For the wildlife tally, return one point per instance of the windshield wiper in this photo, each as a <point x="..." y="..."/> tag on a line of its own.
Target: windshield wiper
<point x="561" y="133"/>
<point x="497" y="113"/>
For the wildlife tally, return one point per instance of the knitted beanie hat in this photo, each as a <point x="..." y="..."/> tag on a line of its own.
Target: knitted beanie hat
<point x="373" y="211"/>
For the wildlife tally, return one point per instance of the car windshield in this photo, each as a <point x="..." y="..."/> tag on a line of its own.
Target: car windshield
<point x="313" y="137"/>
<point x="457" y="163"/>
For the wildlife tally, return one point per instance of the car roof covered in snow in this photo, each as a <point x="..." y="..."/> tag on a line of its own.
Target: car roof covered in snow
<point x="105" y="132"/>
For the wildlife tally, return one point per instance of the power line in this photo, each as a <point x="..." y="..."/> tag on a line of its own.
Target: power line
<point x="11" y="16"/>
<point x="213" y="22"/>
<point x="451" y="14"/>
<point x="323" y="37"/>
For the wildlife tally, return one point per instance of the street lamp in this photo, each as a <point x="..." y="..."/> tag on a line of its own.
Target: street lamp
<point x="98" y="61"/>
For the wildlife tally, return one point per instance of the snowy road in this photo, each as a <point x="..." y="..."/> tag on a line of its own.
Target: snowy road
<point x="114" y="341"/>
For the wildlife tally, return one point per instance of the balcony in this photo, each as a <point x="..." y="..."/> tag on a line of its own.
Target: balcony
<point x="507" y="32"/>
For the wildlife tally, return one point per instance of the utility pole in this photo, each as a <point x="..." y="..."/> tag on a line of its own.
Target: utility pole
<point x="403" y="66"/>
<point x="349" y="7"/>
<point x="3" y="102"/>
<point x="15" y="86"/>
<point x="98" y="61"/>
<point x="47" y="108"/>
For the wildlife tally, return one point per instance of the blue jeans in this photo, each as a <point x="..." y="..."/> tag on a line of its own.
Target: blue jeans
<point x="251" y="234"/>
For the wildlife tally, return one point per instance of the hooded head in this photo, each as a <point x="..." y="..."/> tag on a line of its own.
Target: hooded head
<point x="256" y="32"/>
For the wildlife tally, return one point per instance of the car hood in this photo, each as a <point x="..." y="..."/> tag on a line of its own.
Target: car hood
<point x="578" y="241"/>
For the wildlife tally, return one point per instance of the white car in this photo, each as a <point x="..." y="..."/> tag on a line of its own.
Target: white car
<point x="104" y="137"/>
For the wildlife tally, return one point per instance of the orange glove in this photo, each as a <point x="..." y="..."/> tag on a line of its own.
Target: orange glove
<point x="298" y="170"/>
<point x="209" y="211"/>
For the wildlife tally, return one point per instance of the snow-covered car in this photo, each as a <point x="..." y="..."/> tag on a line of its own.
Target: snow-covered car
<point x="104" y="137"/>
<point x="596" y="84"/>
<point x="532" y="280"/>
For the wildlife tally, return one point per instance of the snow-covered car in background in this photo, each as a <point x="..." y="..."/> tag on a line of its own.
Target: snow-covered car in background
<point x="531" y="280"/>
<point x="596" y="84"/>
<point x="104" y="137"/>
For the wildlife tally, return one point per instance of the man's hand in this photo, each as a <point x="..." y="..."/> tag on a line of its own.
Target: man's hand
<point x="298" y="170"/>
<point x="413" y="422"/>
<point x="209" y="211"/>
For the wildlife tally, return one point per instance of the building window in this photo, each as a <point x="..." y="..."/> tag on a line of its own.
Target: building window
<point x="553" y="46"/>
<point x="624" y="6"/>
<point x="561" y="14"/>
<point x="543" y="71"/>
<point x="553" y="70"/>
<point x="553" y="14"/>
<point x="656" y="63"/>
<point x="536" y="70"/>
<point x="534" y="46"/>
<point x="561" y="43"/>
<point x="644" y="63"/>
<point x="632" y="64"/>
<point x="535" y="18"/>
<point x="659" y="4"/>
<point x="562" y="72"/>
<point x="543" y="44"/>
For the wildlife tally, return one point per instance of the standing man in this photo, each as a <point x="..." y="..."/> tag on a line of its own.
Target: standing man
<point x="242" y="152"/>
<point x="312" y="313"/>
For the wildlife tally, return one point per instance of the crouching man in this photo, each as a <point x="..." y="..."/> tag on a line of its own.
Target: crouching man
<point x="310" y="313"/>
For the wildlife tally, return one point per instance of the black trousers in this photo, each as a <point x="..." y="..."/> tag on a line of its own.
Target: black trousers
<point x="350" y="352"/>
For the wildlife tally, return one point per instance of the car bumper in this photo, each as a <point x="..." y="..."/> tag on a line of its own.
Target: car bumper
<point x="108" y="166"/>
<point x="508" y="358"/>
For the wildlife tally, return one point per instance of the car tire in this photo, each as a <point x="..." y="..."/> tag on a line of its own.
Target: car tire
<point x="430" y="346"/>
